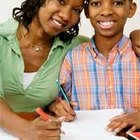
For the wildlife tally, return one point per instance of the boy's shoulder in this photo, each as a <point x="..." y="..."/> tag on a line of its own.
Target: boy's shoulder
<point x="78" y="40"/>
<point x="83" y="44"/>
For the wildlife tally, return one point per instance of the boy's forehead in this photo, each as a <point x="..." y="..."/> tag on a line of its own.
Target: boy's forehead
<point x="106" y="0"/>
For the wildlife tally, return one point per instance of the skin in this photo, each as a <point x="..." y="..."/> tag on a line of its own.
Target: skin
<point x="61" y="14"/>
<point x="108" y="18"/>
<point x="62" y="108"/>
<point x="130" y="122"/>
<point x="135" y="35"/>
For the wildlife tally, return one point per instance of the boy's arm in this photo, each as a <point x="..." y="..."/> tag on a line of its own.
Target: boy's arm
<point x="135" y="37"/>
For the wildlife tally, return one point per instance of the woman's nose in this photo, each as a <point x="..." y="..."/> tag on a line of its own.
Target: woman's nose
<point x="65" y="13"/>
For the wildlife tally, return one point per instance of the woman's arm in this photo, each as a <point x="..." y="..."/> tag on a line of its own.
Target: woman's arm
<point x="29" y="130"/>
<point x="11" y="122"/>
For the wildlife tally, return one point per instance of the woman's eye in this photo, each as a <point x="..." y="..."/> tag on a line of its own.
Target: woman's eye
<point x="95" y="3"/>
<point x="78" y="11"/>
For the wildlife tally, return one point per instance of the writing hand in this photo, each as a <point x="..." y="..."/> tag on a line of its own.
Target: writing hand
<point x="62" y="108"/>
<point x="40" y="129"/>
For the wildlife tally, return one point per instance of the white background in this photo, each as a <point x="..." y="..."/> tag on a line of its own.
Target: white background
<point x="6" y="7"/>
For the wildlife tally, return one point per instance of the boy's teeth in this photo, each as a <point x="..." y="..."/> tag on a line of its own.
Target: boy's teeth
<point x="106" y="23"/>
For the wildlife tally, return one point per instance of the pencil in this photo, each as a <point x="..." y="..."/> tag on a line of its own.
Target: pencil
<point x="63" y="92"/>
<point x="44" y="115"/>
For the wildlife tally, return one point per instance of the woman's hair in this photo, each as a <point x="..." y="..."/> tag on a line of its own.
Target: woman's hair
<point x="30" y="8"/>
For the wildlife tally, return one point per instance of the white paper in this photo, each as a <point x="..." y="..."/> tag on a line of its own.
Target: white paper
<point x="5" y="136"/>
<point x="91" y="124"/>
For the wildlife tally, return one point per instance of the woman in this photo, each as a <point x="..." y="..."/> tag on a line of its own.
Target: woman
<point x="32" y="47"/>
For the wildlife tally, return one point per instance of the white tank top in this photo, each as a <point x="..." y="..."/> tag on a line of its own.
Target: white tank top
<point x="28" y="78"/>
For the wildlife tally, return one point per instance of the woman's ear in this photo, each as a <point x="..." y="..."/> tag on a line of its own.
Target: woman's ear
<point x="132" y="10"/>
<point x="86" y="11"/>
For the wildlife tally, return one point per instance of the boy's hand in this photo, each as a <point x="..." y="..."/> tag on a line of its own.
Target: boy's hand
<point x="135" y="37"/>
<point x="62" y="108"/>
<point x="121" y="122"/>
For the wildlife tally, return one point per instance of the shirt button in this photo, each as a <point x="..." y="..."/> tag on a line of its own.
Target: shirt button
<point x="108" y="68"/>
<point x="30" y="87"/>
<point x="112" y="106"/>
<point x="37" y="77"/>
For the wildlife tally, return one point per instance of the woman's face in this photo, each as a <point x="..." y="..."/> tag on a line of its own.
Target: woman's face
<point x="56" y="16"/>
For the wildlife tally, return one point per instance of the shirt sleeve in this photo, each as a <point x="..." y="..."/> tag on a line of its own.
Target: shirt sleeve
<point x="1" y="90"/>
<point x="65" y="74"/>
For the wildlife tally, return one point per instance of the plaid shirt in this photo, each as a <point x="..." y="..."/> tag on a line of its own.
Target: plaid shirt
<point x="95" y="82"/>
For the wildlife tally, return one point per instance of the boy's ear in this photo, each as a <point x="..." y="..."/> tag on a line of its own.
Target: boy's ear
<point x="133" y="7"/>
<point x="86" y="11"/>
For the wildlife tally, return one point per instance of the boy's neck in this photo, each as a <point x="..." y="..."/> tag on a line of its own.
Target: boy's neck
<point x="105" y="44"/>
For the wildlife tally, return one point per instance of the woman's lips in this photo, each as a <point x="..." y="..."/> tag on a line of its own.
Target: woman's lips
<point x="58" y="25"/>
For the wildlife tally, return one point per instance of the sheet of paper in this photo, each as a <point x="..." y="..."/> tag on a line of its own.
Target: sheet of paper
<point x="6" y="136"/>
<point x="90" y="124"/>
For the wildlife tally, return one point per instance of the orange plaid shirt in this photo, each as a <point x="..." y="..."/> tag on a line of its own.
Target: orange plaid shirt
<point x="95" y="82"/>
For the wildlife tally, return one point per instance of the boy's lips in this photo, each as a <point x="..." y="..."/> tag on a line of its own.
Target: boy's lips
<point x="106" y="24"/>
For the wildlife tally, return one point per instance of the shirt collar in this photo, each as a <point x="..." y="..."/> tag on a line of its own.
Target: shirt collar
<point x="57" y="43"/>
<point x="120" y="47"/>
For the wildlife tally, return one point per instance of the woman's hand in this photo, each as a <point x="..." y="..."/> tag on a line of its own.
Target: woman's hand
<point x="121" y="122"/>
<point x="61" y="108"/>
<point x="40" y="129"/>
<point x="135" y="37"/>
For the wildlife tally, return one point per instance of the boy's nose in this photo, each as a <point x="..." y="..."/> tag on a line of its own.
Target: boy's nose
<point x="106" y="10"/>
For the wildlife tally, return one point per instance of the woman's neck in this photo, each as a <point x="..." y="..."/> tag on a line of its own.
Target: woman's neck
<point x="37" y="35"/>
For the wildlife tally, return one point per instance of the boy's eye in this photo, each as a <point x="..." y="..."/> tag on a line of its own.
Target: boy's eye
<point x="118" y="3"/>
<point x="61" y="1"/>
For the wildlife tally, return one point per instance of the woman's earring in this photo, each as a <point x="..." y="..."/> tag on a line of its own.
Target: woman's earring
<point x="86" y="2"/>
<point x="71" y="31"/>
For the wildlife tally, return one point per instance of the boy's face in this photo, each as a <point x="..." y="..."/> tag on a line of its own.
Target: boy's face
<point x="109" y="16"/>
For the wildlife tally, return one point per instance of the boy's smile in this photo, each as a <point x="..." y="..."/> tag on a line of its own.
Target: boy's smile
<point x="108" y="17"/>
<point x="106" y="24"/>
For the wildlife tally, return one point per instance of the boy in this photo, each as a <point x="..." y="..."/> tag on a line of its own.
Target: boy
<point x="105" y="72"/>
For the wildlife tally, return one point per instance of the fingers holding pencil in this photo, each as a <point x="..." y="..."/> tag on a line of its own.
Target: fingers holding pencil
<point x="46" y="117"/>
<point x="47" y="126"/>
<point x="62" y="108"/>
<point x="44" y="127"/>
